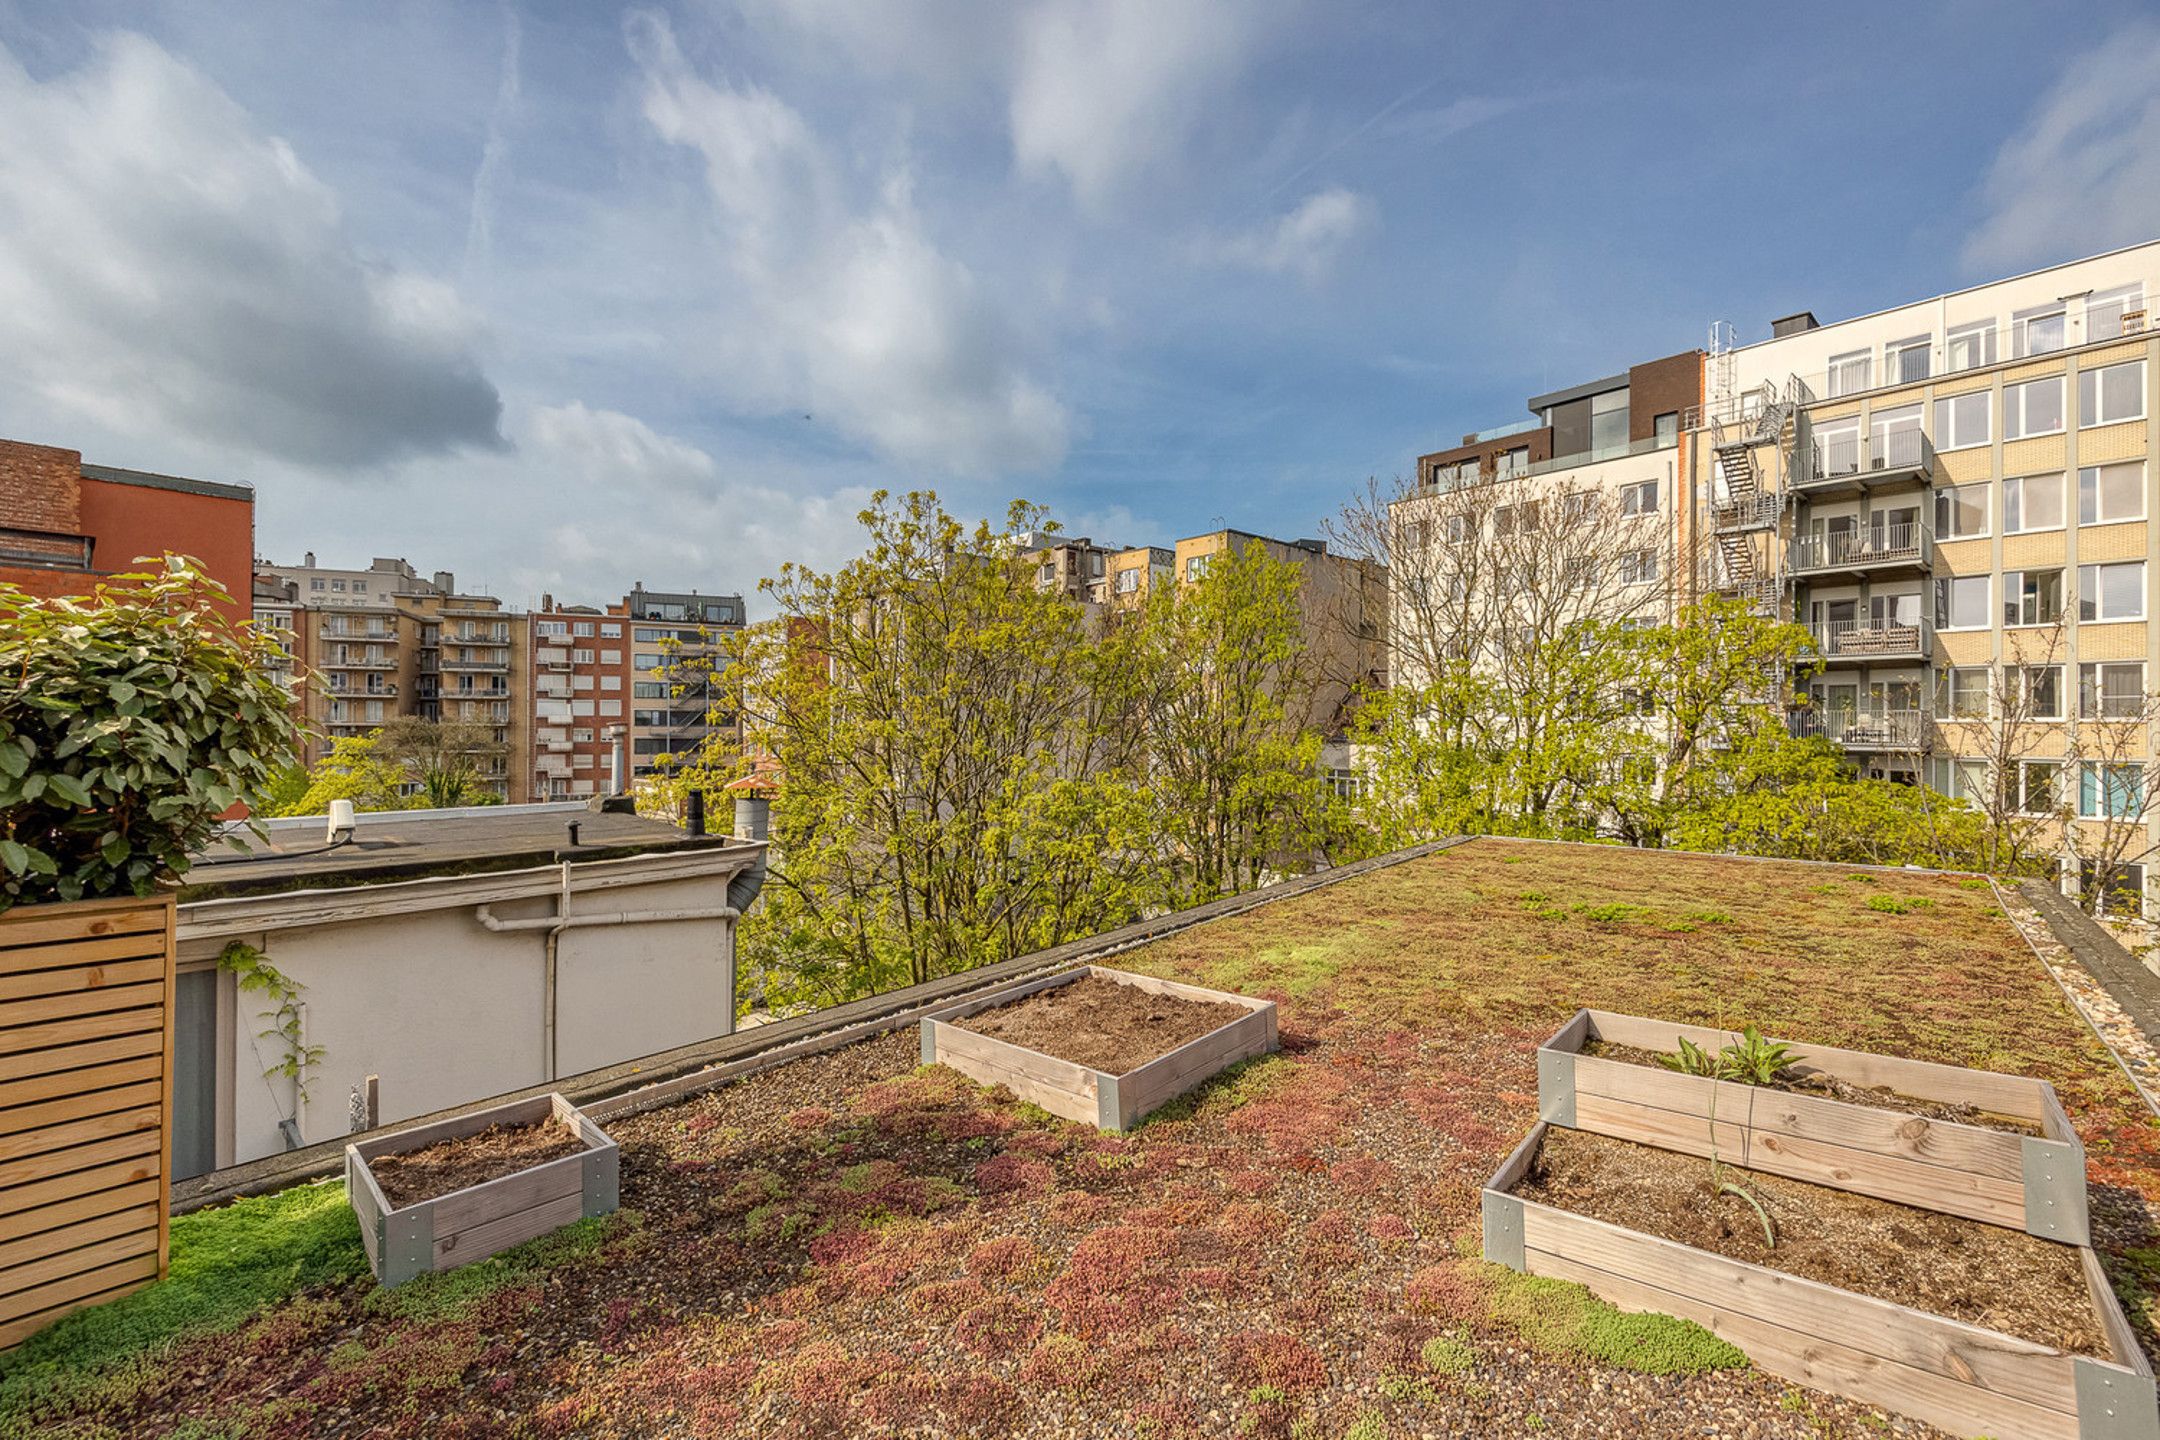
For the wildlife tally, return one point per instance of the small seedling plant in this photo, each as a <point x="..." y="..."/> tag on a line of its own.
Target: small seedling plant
<point x="1754" y="1059"/>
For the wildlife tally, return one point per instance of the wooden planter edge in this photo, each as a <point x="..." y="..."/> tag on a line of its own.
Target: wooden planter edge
<point x="1083" y="1093"/>
<point x="477" y="1221"/>
<point x="1959" y="1376"/>
<point x="2036" y="1182"/>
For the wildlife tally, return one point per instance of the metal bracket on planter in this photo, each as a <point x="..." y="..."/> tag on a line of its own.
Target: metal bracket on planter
<point x="1106" y="1104"/>
<point x="602" y="1182"/>
<point x="1556" y="1086"/>
<point x="2055" y="1191"/>
<point x="1503" y="1230"/>
<point x="408" y="1244"/>
<point x="2113" y="1404"/>
<point x="929" y="1043"/>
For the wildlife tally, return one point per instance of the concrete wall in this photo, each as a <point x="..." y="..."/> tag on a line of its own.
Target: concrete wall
<point x="445" y="1011"/>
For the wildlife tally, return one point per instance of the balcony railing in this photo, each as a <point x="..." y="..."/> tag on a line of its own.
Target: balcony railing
<point x="446" y="663"/>
<point x="1906" y="544"/>
<point x="1868" y="729"/>
<point x="1755" y="513"/>
<point x="1904" y="453"/>
<point x="1864" y="641"/>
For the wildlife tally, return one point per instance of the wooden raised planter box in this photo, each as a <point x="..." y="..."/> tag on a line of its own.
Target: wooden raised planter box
<point x="1960" y="1377"/>
<point x="2035" y="1183"/>
<point x="86" y="1055"/>
<point x="480" y="1220"/>
<point x="1078" y="1092"/>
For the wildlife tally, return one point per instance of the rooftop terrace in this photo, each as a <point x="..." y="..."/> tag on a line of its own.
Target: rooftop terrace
<point x="852" y="1245"/>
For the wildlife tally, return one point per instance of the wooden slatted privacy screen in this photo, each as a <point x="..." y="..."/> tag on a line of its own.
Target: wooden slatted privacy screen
<point x="86" y="1053"/>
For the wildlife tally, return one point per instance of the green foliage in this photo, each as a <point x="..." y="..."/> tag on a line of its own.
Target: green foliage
<point x="1897" y="904"/>
<point x="1448" y="1355"/>
<point x="407" y="764"/>
<point x="1560" y="1318"/>
<point x="255" y="975"/>
<point x="227" y="1265"/>
<point x="1752" y="1060"/>
<point x="444" y="1294"/>
<point x="130" y="721"/>
<point x="1370" y="1425"/>
<point x="1616" y="912"/>
<point x="1755" y="1060"/>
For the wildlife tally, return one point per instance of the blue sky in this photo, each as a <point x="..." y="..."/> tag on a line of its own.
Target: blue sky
<point x="565" y="296"/>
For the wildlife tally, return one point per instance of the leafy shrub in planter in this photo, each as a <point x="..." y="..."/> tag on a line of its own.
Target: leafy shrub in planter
<point x="130" y="720"/>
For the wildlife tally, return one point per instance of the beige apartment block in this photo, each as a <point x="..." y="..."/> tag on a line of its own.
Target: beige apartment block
<point x="1952" y="495"/>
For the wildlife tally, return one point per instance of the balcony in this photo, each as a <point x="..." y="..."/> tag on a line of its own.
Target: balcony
<point x="1847" y="465"/>
<point x="446" y="663"/>
<point x="1870" y="730"/>
<point x="365" y="662"/>
<point x="338" y="630"/>
<point x="1864" y="642"/>
<point x="1902" y="549"/>
<point x="1758" y="513"/>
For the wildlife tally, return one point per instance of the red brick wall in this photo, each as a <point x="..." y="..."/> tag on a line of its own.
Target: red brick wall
<point x="135" y="521"/>
<point x="40" y="488"/>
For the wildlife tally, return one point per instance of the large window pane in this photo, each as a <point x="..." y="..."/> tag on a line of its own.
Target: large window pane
<point x="2112" y="592"/>
<point x="1961" y="601"/>
<point x="1961" y="511"/>
<point x="2111" y="394"/>
<point x="2032" y="502"/>
<point x="2033" y="408"/>
<point x="1963" y="420"/>
<point x="2108" y="493"/>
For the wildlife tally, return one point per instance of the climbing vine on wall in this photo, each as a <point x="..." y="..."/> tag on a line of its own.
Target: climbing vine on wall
<point x="281" y="997"/>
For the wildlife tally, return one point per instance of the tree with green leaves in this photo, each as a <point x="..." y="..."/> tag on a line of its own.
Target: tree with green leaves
<point x="131" y="720"/>
<point x="409" y="763"/>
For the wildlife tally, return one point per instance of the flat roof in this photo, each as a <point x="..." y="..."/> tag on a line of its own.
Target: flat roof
<point x="410" y="844"/>
<point x="215" y="489"/>
<point x="1579" y="392"/>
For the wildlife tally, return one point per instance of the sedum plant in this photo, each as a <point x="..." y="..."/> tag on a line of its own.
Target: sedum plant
<point x="131" y="720"/>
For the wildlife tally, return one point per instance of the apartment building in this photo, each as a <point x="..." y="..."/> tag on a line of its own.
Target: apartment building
<point x="1073" y="566"/>
<point x="580" y="683"/>
<point x="65" y="525"/>
<point x="680" y="644"/>
<point x="1583" y="493"/>
<point x="1345" y="602"/>
<point x="386" y="641"/>
<point x="1956" y="496"/>
<point x="1132" y="573"/>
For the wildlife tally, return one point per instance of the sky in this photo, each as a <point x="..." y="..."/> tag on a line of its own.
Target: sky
<point x="563" y="297"/>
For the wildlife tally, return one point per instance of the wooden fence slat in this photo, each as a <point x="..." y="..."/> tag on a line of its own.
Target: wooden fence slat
<point x="17" y="1176"/>
<point x="145" y="1118"/>
<point x="15" y="1039"/>
<point x="26" y="1311"/>
<point x="85" y="972"/>
<point x="49" y="1223"/>
<point x="73" y="1057"/>
<point x="23" y="931"/>
<point x="70" y="1082"/>
<point x="141" y="1216"/>
<point x="80" y="1106"/>
<point x="87" y="1183"/>
<point x="136" y="1241"/>
<point x="97" y="1000"/>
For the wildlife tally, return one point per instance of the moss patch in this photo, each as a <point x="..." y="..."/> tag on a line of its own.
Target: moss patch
<point x="1560" y="1318"/>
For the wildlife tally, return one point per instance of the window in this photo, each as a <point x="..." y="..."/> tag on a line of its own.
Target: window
<point x="2123" y="886"/>
<point x="1503" y="521"/>
<point x="2105" y="309"/>
<point x="1128" y="581"/>
<point x="551" y="628"/>
<point x="2112" y="592"/>
<point x="2037" y="332"/>
<point x="2038" y="787"/>
<point x="2033" y="408"/>
<point x="1639" y="499"/>
<point x="1905" y="361"/>
<point x="611" y="657"/>
<point x="609" y="682"/>
<point x="1510" y="463"/>
<point x="1578" y="508"/>
<point x="1850" y="373"/>
<point x="1195" y="566"/>
<point x="1347" y="784"/>
<point x="1638" y="567"/>
<point x="1968" y="347"/>
<point x="1961" y="602"/>
<point x="645" y="661"/>
<point x="1964" y="420"/>
<point x="1668" y="428"/>
<point x="2033" y="692"/>
<point x="2111" y="393"/>
<point x="1964" y="693"/>
<point x="359" y="587"/>
<point x="2032" y="597"/>
<point x="315" y="584"/>
<point x="1459" y="529"/>
<point x="2107" y="493"/>
<point x="2113" y="792"/>
<point x="1608" y="421"/>
<point x="337" y="584"/>
<point x="581" y="657"/>
<point x="611" y="709"/>
<point x="1961" y="511"/>
<point x="2032" y="502"/>
<point x="649" y="690"/>
<point x="2111" y="691"/>
<point x="1837" y="446"/>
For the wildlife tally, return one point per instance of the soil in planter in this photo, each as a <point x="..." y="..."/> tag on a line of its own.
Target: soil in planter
<point x="1102" y="1024"/>
<point x="475" y="1159"/>
<point x="1830" y="1087"/>
<point x="1982" y="1274"/>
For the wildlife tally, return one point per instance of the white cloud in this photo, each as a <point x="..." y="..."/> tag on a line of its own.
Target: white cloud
<point x="1306" y="240"/>
<point x="598" y="448"/>
<point x="844" y="308"/>
<point x="2083" y="174"/>
<point x="168" y="270"/>
<point x="1107" y="92"/>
